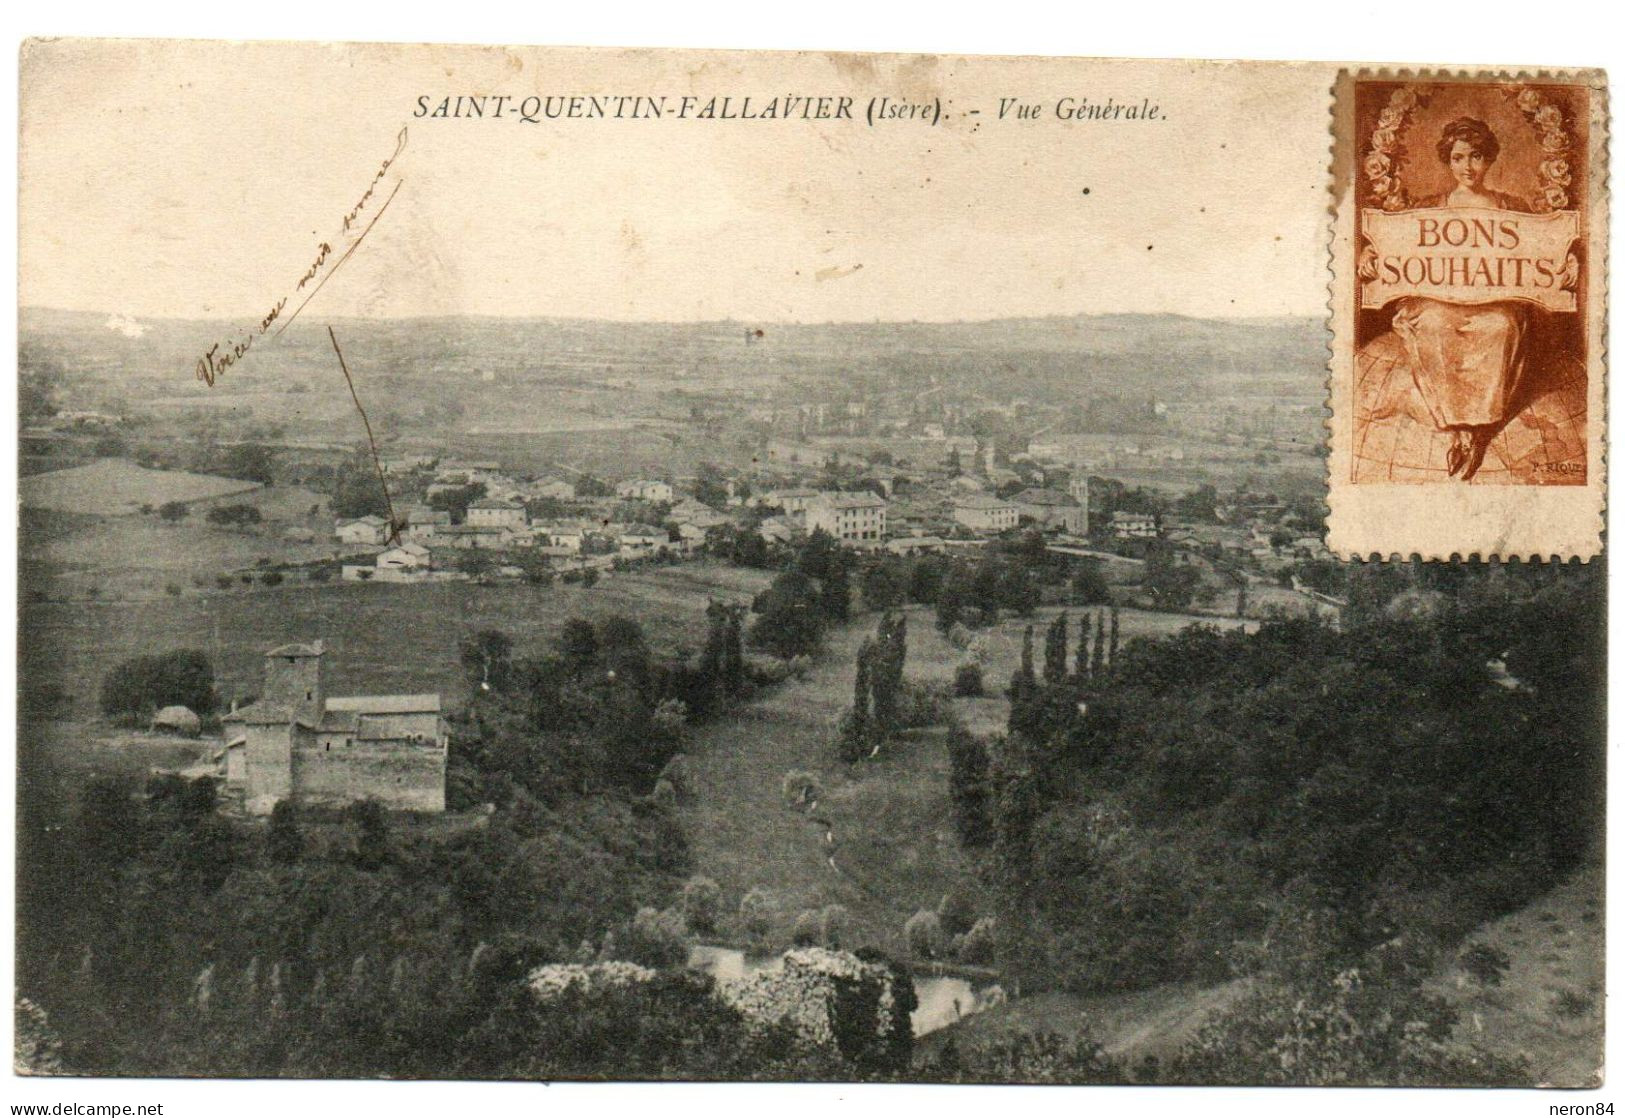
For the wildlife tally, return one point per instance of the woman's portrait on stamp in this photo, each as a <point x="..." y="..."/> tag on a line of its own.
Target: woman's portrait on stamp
<point x="1469" y="367"/>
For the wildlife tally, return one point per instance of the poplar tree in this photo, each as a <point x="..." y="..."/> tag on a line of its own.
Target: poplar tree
<point x="1055" y="651"/>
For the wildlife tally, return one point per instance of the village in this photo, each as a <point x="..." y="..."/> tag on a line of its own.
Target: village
<point x="763" y="648"/>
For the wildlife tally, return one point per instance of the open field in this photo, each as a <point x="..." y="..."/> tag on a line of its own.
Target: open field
<point x="1547" y="1005"/>
<point x="129" y="558"/>
<point x="383" y="638"/>
<point x="886" y="822"/>
<point x="114" y="487"/>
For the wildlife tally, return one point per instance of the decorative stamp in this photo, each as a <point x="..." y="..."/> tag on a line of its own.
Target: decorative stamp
<point x="1468" y="298"/>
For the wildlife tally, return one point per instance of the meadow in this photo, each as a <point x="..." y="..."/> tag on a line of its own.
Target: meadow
<point x="381" y="638"/>
<point x="880" y="840"/>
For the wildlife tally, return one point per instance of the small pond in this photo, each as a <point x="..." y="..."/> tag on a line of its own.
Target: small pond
<point x="944" y="999"/>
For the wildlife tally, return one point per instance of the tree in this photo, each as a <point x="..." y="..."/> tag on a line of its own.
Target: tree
<point x="886" y="676"/>
<point x="475" y="563"/>
<point x="858" y="727"/>
<point x="953" y="600"/>
<point x="1097" y="664"/>
<point x="1171" y="584"/>
<point x="1089" y="586"/>
<point x="578" y="644"/>
<point x="790" y="617"/>
<point x="624" y="650"/>
<point x="1080" y="660"/>
<point x="882" y="586"/>
<point x="137" y="687"/>
<point x="835" y="595"/>
<point x="487" y="660"/>
<point x="733" y="653"/>
<point x="283" y="842"/>
<point x="357" y="491"/>
<point x="1055" y="651"/>
<point x="968" y="787"/>
<point x="234" y="514"/>
<point x="251" y="462"/>
<point x="968" y="681"/>
<point x="1111" y="648"/>
<point x="925" y="579"/>
<point x="454" y="500"/>
<point x="711" y="485"/>
<point x="370" y="828"/>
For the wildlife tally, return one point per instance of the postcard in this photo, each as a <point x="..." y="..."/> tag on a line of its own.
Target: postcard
<point x="580" y="564"/>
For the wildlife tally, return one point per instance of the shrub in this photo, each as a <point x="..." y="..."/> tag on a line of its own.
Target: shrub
<point x="808" y="930"/>
<point x="663" y="794"/>
<point x="1487" y="965"/>
<point x="225" y="582"/>
<point x="801" y="789"/>
<point x="1570" y="1004"/>
<point x="271" y="578"/>
<point x="922" y="704"/>
<point x="979" y="945"/>
<point x="652" y="938"/>
<point x="757" y="908"/>
<point x="968" y="681"/>
<point x="834" y="919"/>
<point x="956" y="912"/>
<point x="701" y="903"/>
<point x="923" y="934"/>
<point x="675" y="773"/>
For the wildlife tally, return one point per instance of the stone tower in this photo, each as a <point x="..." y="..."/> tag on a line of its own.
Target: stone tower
<point x="294" y="680"/>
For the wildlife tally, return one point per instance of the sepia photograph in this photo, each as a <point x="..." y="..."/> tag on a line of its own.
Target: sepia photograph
<point x="596" y="565"/>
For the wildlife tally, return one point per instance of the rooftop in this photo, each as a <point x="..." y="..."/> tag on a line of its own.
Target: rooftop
<point x="385" y="704"/>
<point x="1051" y="497"/>
<point x="314" y="648"/>
<point x="855" y="501"/>
<point x="981" y="502"/>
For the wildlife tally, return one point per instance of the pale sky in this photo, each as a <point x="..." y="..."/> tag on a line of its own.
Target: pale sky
<point x="196" y="180"/>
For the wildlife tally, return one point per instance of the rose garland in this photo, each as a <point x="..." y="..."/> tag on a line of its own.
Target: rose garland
<point x="1385" y="150"/>
<point x="1552" y="126"/>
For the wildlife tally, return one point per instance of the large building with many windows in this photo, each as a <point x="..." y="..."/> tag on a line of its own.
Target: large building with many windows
<point x="849" y="517"/>
<point x="982" y="513"/>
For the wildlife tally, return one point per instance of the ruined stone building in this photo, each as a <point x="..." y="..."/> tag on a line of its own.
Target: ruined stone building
<point x="297" y="743"/>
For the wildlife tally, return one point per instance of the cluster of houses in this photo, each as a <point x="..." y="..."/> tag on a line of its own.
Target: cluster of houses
<point x="426" y="543"/>
<point x="890" y="509"/>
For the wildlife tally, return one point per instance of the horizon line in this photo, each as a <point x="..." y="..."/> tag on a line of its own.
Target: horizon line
<point x="1237" y="318"/>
